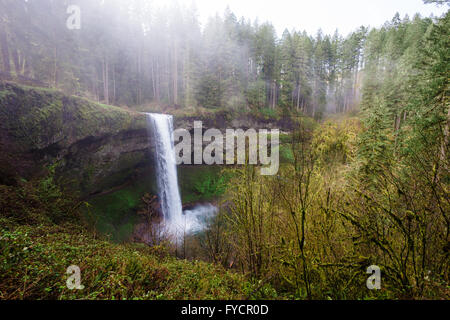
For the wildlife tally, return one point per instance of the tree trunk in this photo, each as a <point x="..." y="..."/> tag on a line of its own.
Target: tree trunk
<point x="105" y="80"/>
<point x="22" y="63"/>
<point x="274" y="95"/>
<point x="5" y="51"/>
<point x="139" y="85"/>
<point x="175" y="73"/>
<point x="114" y="84"/>
<point x="26" y="67"/>
<point x="55" y="68"/>
<point x="15" y="56"/>
<point x="95" y="83"/>
<point x="153" y="79"/>
<point x="158" y="82"/>
<point x="445" y="141"/>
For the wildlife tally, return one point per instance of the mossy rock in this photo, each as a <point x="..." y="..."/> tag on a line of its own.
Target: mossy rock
<point x="93" y="143"/>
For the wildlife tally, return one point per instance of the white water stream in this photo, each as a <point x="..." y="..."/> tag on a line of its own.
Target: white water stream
<point x="176" y="221"/>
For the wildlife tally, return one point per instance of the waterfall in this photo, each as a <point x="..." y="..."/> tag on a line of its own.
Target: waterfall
<point x="166" y="168"/>
<point x="176" y="221"/>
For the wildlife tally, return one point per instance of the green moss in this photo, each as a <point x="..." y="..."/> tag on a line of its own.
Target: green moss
<point x="98" y="175"/>
<point x="115" y="213"/>
<point x="286" y="154"/>
<point x="39" y="117"/>
<point x="268" y="114"/>
<point x="108" y="271"/>
<point x="201" y="183"/>
<point x="4" y="93"/>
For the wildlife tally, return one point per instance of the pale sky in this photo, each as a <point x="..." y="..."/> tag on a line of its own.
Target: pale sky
<point x="310" y="15"/>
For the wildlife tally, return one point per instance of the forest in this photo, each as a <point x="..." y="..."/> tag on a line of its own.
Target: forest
<point x="364" y="160"/>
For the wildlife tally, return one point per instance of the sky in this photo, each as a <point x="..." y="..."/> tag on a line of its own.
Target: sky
<point x="310" y="15"/>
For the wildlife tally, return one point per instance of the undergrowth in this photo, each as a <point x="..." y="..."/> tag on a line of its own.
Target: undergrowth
<point x="41" y="235"/>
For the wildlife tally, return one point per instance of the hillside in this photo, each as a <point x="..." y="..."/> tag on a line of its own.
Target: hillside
<point x="168" y="156"/>
<point x="34" y="259"/>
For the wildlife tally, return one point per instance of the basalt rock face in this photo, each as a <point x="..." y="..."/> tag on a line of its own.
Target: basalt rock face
<point x="223" y="120"/>
<point x="96" y="146"/>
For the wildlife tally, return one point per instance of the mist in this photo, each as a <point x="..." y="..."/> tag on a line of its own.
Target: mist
<point x="132" y="53"/>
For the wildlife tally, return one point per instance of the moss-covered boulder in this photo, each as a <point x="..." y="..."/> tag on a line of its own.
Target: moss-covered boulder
<point x="96" y="146"/>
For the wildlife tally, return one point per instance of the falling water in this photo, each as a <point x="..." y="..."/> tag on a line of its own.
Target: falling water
<point x="176" y="221"/>
<point x="166" y="169"/>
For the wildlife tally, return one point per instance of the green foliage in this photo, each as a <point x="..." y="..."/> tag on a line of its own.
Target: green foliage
<point x="44" y="116"/>
<point x="113" y="214"/>
<point x="35" y="254"/>
<point x="336" y="143"/>
<point x="227" y="63"/>
<point x="286" y="154"/>
<point x="212" y="186"/>
<point x="34" y="259"/>
<point x="348" y="194"/>
<point x="269" y="113"/>
<point x="312" y="231"/>
<point x="38" y="201"/>
<point x="202" y="183"/>
<point x="256" y="94"/>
